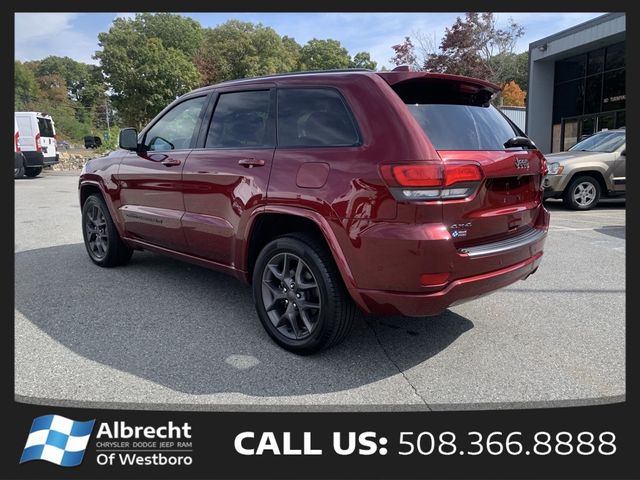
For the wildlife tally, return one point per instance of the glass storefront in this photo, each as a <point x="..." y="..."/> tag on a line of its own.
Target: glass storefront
<point x="589" y="95"/>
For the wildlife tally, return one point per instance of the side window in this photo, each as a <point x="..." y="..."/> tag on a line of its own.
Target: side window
<point x="174" y="130"/>
<point x="241" y="120"/>
<point x="314" y="117"/>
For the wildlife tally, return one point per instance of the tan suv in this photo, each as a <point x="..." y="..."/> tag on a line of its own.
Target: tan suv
<point x="590" y="169"/>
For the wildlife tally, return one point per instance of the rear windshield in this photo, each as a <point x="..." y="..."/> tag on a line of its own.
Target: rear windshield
<point x="456" y="115"/>
<point x="463" y="127"/>
<point x="45" y="127"/>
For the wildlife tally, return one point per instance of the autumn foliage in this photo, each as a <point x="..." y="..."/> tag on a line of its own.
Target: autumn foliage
<point x="513" y="95"/>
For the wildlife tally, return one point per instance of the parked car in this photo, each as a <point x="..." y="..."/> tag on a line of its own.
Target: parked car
<point x="37" y="141"/>
<point x="396" y="192"/>
<point x="18" y="170"/>
<point x="91" y="141"/>
<point x="591" y="169"/>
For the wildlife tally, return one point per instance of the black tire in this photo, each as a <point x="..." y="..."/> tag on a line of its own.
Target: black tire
<point x="582" y="193"/>
<point x="101" y="238"/>
<point x="32" y="172"/>
<point x="18" y="172"/>
<point x="334" y="317"/>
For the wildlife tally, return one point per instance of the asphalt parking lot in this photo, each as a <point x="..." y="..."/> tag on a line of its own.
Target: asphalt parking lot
<point x="159" y="333"/>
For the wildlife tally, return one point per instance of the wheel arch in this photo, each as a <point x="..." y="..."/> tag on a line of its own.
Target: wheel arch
<point x="90" y="187"/>
<point x="590" y="172"/>
<point x="276" y="221"/>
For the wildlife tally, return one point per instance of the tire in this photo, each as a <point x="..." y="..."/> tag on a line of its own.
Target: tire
<point x="583" y="193"/>
<point x="101" y="238"/>
<point x="286" y="321"/>
<point x="32" y="172"/>
<point x="18" y="172"/>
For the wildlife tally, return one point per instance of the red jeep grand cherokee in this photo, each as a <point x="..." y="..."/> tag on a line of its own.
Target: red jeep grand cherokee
<point x="399" y="192"/>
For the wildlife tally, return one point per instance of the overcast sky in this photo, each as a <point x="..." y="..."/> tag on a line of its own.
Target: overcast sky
<point x="39" y="35"/>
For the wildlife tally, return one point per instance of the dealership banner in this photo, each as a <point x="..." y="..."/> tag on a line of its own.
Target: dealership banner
<point x="577" y="442"/>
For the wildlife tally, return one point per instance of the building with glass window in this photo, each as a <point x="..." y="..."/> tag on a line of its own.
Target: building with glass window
<point x="577" y="83"/>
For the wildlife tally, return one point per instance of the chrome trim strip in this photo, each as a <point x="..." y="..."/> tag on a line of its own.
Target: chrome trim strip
<point x="522" y="240"/>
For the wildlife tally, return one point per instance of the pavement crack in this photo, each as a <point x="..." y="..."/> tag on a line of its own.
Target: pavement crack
<point x="395" y="364"/>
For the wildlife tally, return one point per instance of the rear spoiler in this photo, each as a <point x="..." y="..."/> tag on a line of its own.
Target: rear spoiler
<point x="443" y="88"/>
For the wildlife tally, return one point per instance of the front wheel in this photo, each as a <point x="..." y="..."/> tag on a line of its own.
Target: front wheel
<point x="299" y="295"/>
<point x="583" y="193"/>
<point x="101" y="238"/>
<point x="32" y="172"/>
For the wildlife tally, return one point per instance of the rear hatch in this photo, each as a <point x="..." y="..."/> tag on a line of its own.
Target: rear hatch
<point x="47" y="136"/>
<point x="506" y="197"/>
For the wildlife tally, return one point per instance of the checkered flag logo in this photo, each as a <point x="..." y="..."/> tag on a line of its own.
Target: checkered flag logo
<point x="57" y="440"/>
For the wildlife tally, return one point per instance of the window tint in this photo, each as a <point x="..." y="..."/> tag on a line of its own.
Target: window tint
<point x="463" y="127"/>
<point x="174" y="130"/>
<point x="241" y="120"/>
<point x="45" y="127"/>
<point x="314" y="117"/>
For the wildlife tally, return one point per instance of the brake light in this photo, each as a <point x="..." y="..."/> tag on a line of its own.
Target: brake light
<point x="17" y="140"/>
<point x="461" y="173"/>
<point x="38" y="146"/>
<point x="430" y="181"/>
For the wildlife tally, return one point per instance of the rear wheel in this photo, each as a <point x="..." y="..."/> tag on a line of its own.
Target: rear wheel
<point x="18" y="172"/>
<point x="32" y="172"/>
<point x="583" y="193"/>
<point x="299" y="295"/>
<point x="101" y="238"/>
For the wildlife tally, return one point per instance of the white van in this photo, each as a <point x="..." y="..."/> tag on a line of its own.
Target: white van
<point x="37" y="141"/>
<point x="18" y="169"/>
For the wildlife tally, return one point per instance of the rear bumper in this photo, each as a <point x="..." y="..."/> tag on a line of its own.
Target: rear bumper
<point x="51" y="160"/>
<point x="389" y="263"/>
<point x="33" y="159"/>
<point x="457" y="292"/>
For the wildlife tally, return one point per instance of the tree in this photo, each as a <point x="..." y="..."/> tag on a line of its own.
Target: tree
<point x="513" y="95"/>
<point x="242" y="49"/>
<point x="26" y="86"/>
<point x="324" y="55"/>
<point x="404" y="54"/>
<point x="363" y="60"/>
<point x="476" y="47"/>
<point x="143" y="74"/>
<point x="175" y="31"/>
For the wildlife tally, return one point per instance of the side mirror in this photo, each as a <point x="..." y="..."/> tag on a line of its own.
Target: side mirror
<point x="129" y="139"/>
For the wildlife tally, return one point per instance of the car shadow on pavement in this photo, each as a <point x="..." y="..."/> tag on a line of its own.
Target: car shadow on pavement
<point x="196" y="331"/>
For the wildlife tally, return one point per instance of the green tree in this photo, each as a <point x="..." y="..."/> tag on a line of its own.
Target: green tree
<point x="26" y="86"/>
<point x="363" y="60"/>
<point x="324" y="55"/>
<point x="238" y="49"/>
<point x="143" y="74"/>
<point x="175" y="31"/>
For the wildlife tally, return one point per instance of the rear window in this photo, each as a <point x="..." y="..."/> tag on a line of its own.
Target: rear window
<point x="463" y="127"/>
<point x="45" y="127"/>
<point x="456" y="115"/>
<point x="314" y="117"/>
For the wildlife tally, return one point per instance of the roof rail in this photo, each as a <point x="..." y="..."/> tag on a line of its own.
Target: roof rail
<point x="302" y="72"/>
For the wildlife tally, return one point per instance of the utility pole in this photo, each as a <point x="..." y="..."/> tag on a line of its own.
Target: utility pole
<point x="106" y="111"/>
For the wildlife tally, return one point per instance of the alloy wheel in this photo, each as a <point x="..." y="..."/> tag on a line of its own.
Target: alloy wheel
<point x="96" y="227"/>
<point x="291" y="296"/>
<point x="584" y="194"/>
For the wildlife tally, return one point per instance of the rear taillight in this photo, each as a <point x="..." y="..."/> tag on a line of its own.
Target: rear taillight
<point x="430" y="181"/>
<point x="38" y="146"/>
<point x="17" y="140"/>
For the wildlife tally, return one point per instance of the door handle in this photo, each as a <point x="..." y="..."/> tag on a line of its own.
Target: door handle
<point x="170" y="162"/>
<point x="251" y="162"/>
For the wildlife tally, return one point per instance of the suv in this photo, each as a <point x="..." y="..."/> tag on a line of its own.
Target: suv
<point x="396" y="192"/>
<point x="594" y="167"/>
<point x="91" y="141"/>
